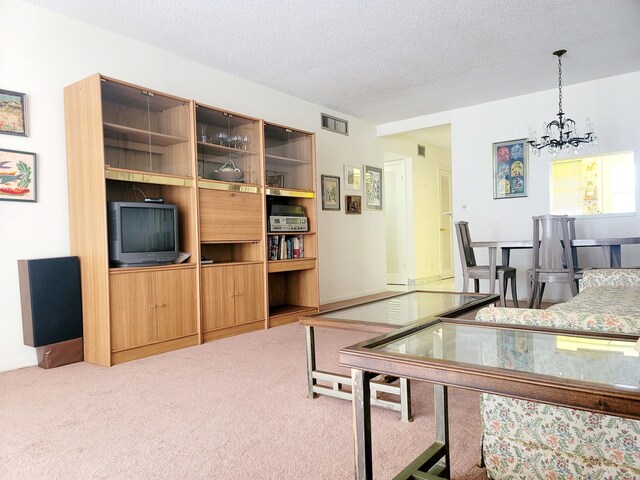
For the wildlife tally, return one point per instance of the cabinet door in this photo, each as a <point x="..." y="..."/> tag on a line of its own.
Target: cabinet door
<point x="176" y="303"/>
<point x="217" y="297"/>
<point x="132" y="301"/>
<point x="230" y="216"/>
<point x="249" y="293"/>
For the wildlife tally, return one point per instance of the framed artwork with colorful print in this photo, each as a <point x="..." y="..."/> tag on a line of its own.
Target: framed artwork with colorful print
<point x="510" y="169"/>
<point x="13" y="114"/>
<point x="17" y="176"/>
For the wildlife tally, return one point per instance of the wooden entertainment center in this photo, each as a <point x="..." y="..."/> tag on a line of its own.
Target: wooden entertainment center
<point x="223" y="171"/>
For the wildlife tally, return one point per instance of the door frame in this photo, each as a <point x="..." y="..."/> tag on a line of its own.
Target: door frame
<point x="406" y="256"/>
<point x="448" y="211"/>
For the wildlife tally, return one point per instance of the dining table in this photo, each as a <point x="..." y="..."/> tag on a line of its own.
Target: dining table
<point x="611" y="248"/>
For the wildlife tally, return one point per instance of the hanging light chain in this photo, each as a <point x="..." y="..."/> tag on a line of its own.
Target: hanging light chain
<point x="560" y="82"/>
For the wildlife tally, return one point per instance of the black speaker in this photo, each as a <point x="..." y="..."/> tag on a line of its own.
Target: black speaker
<point x="51" y="300"/>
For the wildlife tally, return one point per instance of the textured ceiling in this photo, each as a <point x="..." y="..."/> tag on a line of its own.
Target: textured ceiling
<point x="383" y="60"/>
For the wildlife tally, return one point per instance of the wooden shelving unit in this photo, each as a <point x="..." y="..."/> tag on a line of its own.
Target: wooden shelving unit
<point x="293" y="282"/>
<point x="125" y="143"/>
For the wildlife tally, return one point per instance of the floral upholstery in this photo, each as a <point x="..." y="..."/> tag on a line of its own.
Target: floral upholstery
<point x="611" y="277"/>
<point x="560" y="318"/>
<point x="597" y="300"/>
<point x="528" y="440"/>
<point x="514" y="460"/>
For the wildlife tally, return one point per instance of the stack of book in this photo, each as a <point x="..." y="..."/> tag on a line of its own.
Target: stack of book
<point x="283" y="247"/>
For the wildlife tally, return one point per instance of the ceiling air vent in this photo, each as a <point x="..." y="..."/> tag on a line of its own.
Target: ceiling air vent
<point x="422" y="151"/>
<point x="335" y="124"/>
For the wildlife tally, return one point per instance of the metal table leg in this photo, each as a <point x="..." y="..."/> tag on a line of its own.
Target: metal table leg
<point x="361" y="405"/>
<point x="434" y="462"/>
<point x="311" y="359"/>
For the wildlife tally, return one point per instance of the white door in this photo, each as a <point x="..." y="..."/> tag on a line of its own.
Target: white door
<point x="395" y="217"/>
<point x="446" y="223"/>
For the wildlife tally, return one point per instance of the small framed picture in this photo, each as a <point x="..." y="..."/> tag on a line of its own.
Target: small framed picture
<point x="274" y="179"/>
<point x="17" y="176"/>
<point x="352" y="204"/>
<point x="330" y="192"/>
<point x="13" y="113"/>
<point x="352" y="178"/>
<point x="510" y="169"/>
<point x="373" y="187"/>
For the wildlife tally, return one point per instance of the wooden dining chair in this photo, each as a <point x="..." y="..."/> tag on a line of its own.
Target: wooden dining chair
<point x="554" y="259"/>
<point x="470" y="270"/>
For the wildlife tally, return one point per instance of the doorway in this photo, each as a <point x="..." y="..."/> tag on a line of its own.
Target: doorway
<point x="418" y="203"/>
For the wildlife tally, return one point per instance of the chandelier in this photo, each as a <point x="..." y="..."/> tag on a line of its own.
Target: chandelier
<point x="561" y="134"/>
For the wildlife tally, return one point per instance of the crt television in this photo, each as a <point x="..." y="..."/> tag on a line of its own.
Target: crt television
<point x="142" y="233"/>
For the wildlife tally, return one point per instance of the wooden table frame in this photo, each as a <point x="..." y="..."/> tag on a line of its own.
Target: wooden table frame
<point x="434" y="462"/>
<point x="402" y="390"/>
<point x="611" y="250"/>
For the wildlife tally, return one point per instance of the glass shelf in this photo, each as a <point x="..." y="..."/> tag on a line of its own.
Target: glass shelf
<point x="121" y="132"/>
<point x="288" y="156"/>
<point x="279" y="161"/>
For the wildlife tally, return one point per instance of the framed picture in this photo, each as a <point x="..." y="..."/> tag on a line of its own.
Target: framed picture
<point x="13" y="113"/>
<point x="17" y="176"/>
<point x="274" y="179"/>
<point x="373" y="187"/>
<point x="352" y="204"/>
<point x="330" y="192"/>
<point x="352" y="178"/>
<point x="510" y="169"/>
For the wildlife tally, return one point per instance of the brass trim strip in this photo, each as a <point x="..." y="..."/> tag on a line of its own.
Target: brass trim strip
<point x="229" y="187"/>
<point x="147" y="178"/>
<point x="282" y="192"/>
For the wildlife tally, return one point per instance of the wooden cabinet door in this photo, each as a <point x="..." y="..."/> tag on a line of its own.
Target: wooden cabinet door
<point x="176" y="303"/>
<point x="230" y="216"/>
<point x="249" y="293"/>
<point x="132" y="301"/>
<point x="217" y="297"/>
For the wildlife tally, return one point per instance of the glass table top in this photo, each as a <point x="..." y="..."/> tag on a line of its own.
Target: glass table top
<point x="406" y="309"/>
<point x="598" y="359"/>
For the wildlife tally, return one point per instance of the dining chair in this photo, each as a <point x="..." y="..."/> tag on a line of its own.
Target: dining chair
<point x="554" y="259"/>
<point x="471" y="270"/>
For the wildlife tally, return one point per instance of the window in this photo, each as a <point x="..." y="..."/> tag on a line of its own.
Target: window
<point x="594" y="185"/>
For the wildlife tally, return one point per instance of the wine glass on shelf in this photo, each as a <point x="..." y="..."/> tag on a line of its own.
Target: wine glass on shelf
<point x="237" y="141"/>
<point x="221" y="137"/>
<point x="244" y="141"/>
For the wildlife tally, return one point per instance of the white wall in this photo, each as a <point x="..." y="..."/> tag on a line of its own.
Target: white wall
<point x="612" y="103"/>
<point x="423" y="211"/>
<point x="42" y="52"/>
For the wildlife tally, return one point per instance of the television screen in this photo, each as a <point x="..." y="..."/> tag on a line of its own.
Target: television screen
<point x="147" y="230"/>
<point x="142" y="233"/>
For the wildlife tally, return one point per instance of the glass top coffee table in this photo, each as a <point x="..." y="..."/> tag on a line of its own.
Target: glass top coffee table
<point x="386" y="312"/>
<point x="595" y="372"/>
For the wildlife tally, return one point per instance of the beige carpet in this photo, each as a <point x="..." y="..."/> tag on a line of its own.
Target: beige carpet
<point x="232" y="409"/>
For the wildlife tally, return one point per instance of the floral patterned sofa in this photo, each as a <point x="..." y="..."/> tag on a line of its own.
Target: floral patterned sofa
<point x="527" y="440"/>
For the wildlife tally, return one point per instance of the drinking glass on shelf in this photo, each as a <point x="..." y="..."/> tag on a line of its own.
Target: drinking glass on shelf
<point x="203" y="132"/>
<point x="244" y="141"/>
<point x="222" y="137"/>
<point x="237" y="141"/>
